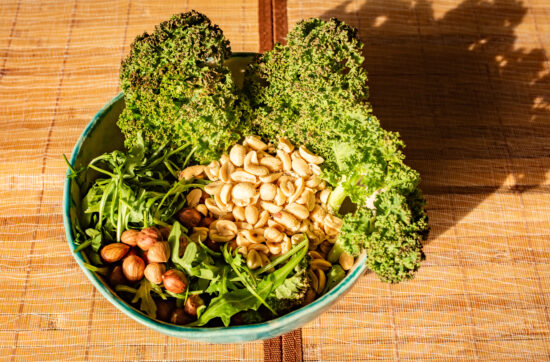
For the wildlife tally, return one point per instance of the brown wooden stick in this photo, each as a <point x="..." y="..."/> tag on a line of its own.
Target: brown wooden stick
<point x="265" y="24"/>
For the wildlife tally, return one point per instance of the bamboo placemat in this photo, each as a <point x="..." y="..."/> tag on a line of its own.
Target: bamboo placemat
<point x="466" y="84"/>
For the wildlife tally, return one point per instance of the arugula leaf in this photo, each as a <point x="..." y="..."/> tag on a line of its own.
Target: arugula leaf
<point x="147" y="303"/>
<point x="96" y="238"/>
<point x="196" y="262"/>
<point x="132" y="190"/>
<point x="246" y="277"/>
<point x="228" y="304"/>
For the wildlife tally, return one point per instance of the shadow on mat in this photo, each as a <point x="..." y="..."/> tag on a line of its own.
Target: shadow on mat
<point x="471" y="104"/>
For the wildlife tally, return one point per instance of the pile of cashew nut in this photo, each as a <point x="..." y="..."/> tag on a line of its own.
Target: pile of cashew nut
<point x="264" y="200"/>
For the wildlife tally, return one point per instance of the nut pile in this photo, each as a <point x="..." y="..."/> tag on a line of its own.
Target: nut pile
<point x="262" y="201"/>
<point x="144" y="254"/>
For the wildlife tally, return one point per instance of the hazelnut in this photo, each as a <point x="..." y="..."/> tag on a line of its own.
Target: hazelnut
<point x="114" y="252"/>
<point x="153" y="272"/>
<point x="212" y="245"/>
<point x="164" y="309"/>
<point x="237" y="319"/>
<point x="204" y="196"/>
<point x="133" y="268"/>
<point x="180" y="317"/>
<point x="117" y="277"/>
<point x="132" y="252"/>
<point x="193" y="303"/>
<point x="158" y="253"/>
<point x="147" y="237"/>
<point x="174" y="281"/>
<point x="129" y="237"/>
<point x="165" y="232"/>
<point x="205" y="222"/>
<point x="189" y="217"/>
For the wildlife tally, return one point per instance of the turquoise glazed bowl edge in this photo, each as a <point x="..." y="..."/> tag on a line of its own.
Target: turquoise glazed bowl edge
<point x="102" y="135"/>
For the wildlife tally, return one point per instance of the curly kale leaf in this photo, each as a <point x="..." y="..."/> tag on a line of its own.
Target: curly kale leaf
<point x="295" y="88"/>
<point x="394" y="248"/>
<point x="177" y="89"/>
<point x="292" y="293"/>
<point x="313" y="91"/>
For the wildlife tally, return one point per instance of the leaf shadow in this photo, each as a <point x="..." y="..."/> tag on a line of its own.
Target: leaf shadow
<point x="469" y="97"/>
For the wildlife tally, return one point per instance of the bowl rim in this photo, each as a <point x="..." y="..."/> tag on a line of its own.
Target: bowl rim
<point x="258" y="329"/>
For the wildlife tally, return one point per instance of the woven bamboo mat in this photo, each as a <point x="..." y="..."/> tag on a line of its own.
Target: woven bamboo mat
<point x="466" y="83"/>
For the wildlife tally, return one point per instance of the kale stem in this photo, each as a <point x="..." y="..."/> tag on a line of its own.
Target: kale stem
<point x="336" y="198"/>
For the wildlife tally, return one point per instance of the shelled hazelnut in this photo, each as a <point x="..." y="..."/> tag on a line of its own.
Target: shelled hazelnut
<point x="133" y="268"/>
<point x="114" y="252"/>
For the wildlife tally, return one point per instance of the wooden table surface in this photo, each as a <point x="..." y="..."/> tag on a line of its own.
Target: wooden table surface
<point x="466" y="84"/>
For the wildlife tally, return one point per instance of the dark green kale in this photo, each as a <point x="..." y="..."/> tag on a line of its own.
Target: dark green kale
<point x="292" y="293"/>
<point x="295" y="89"/>
<point x="313" y="91"/>
<point x="177" y="89"/>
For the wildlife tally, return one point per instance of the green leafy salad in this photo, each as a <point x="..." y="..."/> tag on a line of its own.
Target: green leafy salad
<point x="234" y="205"/>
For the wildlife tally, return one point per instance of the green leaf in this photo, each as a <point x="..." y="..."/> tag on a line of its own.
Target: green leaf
<point x="228" y="304"/>
<point x="96" y="239"/>
<point x="147" y="303"/>
<point x="245" y="277"/>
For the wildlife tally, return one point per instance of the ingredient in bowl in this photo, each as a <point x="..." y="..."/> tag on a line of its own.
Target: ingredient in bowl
<point x="133" y="268"/>
<point x="151" y="264"/>
<point x="178" y="90"/>
<point x="153" y="272"/>
<point x="265" y="206"/>
<point x="312" y="90"/>
<point x="174" y="281"/>
<point x="114" y="252"/>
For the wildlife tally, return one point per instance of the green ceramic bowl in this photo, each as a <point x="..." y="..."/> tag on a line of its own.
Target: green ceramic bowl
<point x="102" y="135"/>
